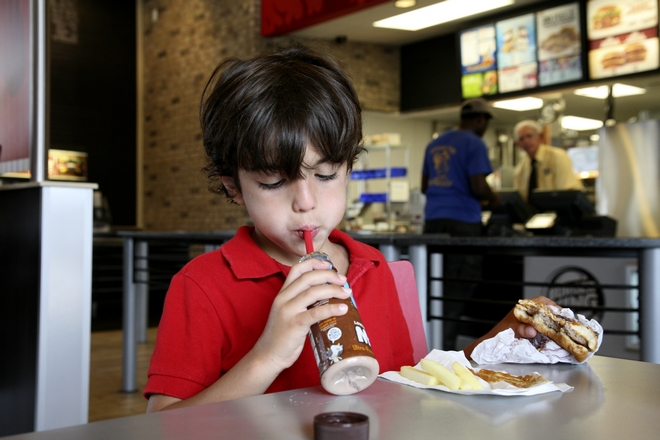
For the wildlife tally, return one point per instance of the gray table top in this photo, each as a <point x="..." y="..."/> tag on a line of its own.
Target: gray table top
<point x="612" y="399"/>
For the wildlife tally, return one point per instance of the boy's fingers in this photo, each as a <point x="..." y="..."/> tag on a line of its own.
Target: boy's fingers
<point x="294" y="285"/>
<point x="299" y="269"/>
<point x="326" y="311"/>
<point x="526" y="331"/>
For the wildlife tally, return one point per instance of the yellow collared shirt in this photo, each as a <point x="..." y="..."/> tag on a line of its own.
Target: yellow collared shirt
<point x="554" y="171"/>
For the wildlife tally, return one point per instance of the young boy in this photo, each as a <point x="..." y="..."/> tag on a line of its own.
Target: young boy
<point x="282" y="132"/>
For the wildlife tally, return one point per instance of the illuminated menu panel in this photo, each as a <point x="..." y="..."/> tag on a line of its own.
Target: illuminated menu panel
<point x="559" y="47"/>
<point x="623" y="37"/>
<point x="516" y="55"/>
<point x="538" y="49"/>
<point x="478" y="65"/>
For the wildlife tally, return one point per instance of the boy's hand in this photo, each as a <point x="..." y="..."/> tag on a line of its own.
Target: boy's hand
<point x="520" y="329"/>
<point x="282" y="340"/>
<point x="290" y="319"/>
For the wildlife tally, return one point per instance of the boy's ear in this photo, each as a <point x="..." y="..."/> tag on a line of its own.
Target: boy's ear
<point x="232" y="190"/>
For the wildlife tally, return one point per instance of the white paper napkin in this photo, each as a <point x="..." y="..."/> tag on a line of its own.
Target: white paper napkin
<point x="506" y="348"/>
<point x="447" y="358"/>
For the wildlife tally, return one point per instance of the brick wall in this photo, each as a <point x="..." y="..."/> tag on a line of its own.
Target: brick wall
<point x="182" y="41"/>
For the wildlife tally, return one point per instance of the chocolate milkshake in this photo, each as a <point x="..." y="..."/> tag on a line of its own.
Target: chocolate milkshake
<point x="341" y="346"/>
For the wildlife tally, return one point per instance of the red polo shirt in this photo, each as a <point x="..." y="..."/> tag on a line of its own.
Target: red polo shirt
<point x="218" y="304"/>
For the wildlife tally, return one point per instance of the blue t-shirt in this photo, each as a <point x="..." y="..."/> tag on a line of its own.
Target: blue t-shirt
<point x="449" y="162"/>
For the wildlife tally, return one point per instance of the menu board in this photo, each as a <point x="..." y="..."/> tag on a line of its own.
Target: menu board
<point x="559" y="47"/>
<point x="516" y="54"/>
<point x="623" y="37"/>
<point x="478" y="65"/>
<point x="537" y="49"/>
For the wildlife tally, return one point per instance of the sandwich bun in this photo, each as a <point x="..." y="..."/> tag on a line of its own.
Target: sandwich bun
<point x="635" y="52"/>
<point x="612" y="60"/>
<point x="607" y="16"/>
<point x="571" y="335"/>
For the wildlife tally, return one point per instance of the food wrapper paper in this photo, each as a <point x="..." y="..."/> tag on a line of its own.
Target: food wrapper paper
<point x="506" y="348"/>
<point x="447" y="358"/>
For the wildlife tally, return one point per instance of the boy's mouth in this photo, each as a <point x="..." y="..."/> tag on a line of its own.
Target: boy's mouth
<point x="313" y="231"/>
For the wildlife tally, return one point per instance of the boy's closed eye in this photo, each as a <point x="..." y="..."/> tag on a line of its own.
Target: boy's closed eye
<point x="326" y="177"/>
<point x="279" y="183"/>
<point x="275" y="185"/>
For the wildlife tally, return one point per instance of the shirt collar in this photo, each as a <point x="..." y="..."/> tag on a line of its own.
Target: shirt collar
<point x="248" y="261"/>
<point x="541" y="156"/>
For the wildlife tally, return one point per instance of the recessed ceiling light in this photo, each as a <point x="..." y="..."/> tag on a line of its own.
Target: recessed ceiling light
<point x="580" y="124"/>
<point x="520" y="104"/>
<point x="442" y="12"/>
<point x="405" y="3"/>
<point x="618" y="90"/>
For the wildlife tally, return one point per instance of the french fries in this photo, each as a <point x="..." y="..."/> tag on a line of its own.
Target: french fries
<point x="434" y="373"/>
<point x="444" y="375"/>
<point x="468" y="380"/>
<point x="418" y="376"/>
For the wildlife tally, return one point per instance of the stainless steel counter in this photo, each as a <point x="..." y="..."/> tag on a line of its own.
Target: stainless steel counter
<point x="612" y="399"/>
<point x="416" y="246"/>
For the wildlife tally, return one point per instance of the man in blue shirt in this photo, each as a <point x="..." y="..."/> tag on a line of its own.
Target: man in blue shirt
<point x="454" y="180"/>
<point x="454" y="175"/>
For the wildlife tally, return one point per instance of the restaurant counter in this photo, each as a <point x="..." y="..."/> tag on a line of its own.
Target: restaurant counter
<point x="612" y="399"/>
<point x="646" y="251"/>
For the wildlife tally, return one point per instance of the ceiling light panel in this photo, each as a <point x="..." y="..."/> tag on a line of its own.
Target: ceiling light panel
<point x="405" y="3"/>
<point x="520" y="104"/>
<point x="580" y="124"/>
<point x="618" y="90"/>
<point x="446" y="11"/>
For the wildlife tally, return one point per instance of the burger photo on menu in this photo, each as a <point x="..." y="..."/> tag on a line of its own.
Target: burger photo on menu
<point x="606" y="16"/>
<point x="613" y="59"/>
<point x="635" y="52"/>
<point x="629" y="53"/>
<point x="566" y="38"/>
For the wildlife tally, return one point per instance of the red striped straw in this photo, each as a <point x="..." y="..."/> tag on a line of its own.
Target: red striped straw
<point x="309" y="245"/>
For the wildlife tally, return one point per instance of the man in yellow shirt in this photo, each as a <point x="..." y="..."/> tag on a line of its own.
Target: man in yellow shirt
<point x="544" y="166"/>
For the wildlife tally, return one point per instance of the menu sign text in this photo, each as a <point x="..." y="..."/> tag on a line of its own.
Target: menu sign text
<point x="559" y="46"/>
<point x="478" y="65"/>
<point x="516" y="54"/>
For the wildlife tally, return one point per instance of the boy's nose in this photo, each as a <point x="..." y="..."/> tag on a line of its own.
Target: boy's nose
<point x="304" y="196"/>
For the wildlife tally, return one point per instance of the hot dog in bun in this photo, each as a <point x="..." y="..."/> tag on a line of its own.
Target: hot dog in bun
<point x="573" y="336"/>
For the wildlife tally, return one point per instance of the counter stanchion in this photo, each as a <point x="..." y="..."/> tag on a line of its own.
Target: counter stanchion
<point x="129" y="348"/>
<point x="141" y="284"/>
<point x="136" y="288"/>
<point x="390" y="252"/>
<point x="436" y="291"/>
<point x="417" y="254"/>
<point x="649" y="304"/>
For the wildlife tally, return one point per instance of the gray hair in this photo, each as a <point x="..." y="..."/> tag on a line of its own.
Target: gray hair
<point x="527" y="123"/>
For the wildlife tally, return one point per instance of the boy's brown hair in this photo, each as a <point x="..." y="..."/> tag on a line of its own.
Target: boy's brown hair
<point x="260" y="114"/>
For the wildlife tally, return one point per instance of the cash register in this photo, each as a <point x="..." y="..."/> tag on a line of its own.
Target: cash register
<point x="509" y="216"/>
<point x="567" y="213"/>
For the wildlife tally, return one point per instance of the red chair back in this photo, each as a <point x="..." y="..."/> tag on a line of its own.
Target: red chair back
<point x="406" y="285"/>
